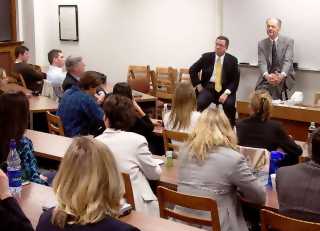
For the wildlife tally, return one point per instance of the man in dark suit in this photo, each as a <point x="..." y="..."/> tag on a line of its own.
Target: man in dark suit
<point x="298" y="186"/>
<point x="219" y="78"/>
<point x="75" y="68"/>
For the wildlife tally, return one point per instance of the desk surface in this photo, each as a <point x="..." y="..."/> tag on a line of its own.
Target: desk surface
<point x="34" y="196"/>
<point x="54" y="147"/>
<point x="37" y="103"/>
<point x="47" y="145"/>
<point x="295" y="113"/>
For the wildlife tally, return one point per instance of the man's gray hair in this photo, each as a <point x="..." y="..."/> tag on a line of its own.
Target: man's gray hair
<point x="71" y="62"/>
<point x="279" y="22"/>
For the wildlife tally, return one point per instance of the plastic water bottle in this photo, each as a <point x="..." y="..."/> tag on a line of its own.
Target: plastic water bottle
<point x="169" y="159"/>
<point x="311" y="129"/>
<point x="14" y="170"/>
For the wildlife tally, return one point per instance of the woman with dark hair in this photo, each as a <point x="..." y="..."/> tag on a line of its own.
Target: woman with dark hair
<point x="131" y="151"/>
<point x="142" y="123"/>
<point x="259" y="131"/>
<point x="14" y="112"/>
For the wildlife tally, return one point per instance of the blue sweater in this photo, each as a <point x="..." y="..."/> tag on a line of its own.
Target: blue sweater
<point x="79" y="112"/>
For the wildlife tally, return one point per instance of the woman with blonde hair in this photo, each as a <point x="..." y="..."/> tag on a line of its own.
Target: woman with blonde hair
<point x="183" y="115"/>
<point x="210" y="166"/>
<point x="259" y="131"/>
<point x="88" y="188"/>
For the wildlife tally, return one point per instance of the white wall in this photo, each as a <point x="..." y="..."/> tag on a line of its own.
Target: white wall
<point x="116" y="33"/>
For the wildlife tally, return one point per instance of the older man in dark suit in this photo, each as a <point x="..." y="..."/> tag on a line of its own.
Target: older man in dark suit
<point x="298" y="186"/>
<point x="219" y="78"/>
<point x="275" y="58"/>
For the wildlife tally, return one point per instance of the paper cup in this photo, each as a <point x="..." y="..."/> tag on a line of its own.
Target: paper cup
<point x="273" y="180"/>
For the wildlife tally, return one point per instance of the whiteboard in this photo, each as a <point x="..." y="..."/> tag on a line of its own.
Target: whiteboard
<point x="244" y="24"/>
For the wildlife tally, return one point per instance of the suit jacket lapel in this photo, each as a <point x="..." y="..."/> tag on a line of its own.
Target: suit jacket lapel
<point x="224" y="66"/>
<point x="269" y="49"/>
<point x="279" y="48"/>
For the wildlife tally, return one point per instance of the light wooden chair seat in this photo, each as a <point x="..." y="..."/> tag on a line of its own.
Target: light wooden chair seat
<point x="271" y="221"/>
<point x="167" y="196"/>
<point x="165" y="82"/>
<point x="128" y="190"/>
<point x="169" y="136"/>
<point x="139" y="78"/>
<point x="184" y="74"/>
<point x="55" y="125"/>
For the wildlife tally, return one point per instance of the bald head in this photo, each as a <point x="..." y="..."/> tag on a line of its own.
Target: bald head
<point x="273" y="27"/>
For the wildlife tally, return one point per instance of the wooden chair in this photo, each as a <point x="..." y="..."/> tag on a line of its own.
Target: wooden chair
<point x="271" y="221"/>
<point x="128" y="189"/>
<point x="167" y="196"/>
<point x="169" y="136"/>
<point x="184" y="74"/>
<point x="20" y="80"/>
<point x="139" y="78"/>
<point x="55" y="125"/>
<point x="165" y="82"/>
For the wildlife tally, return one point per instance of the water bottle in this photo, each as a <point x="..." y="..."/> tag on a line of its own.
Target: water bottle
<point x="169" y="160"/>
<point x="164" y="110"/>
<point x="275" y="158"/>
<point x="311" y="129"/>
<point x="14" y="170"/>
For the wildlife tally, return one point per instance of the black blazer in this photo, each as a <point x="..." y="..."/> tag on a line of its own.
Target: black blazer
<point x="230" y="72"/>
<point x="69" y="81"/>
<point x="298" y="190"/>
<point x="12" y="217"/>
<point x="252" y="132"/>
<point x="107" y="224"/>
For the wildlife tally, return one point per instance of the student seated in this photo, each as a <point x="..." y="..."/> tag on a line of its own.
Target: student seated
<point x="88" y="188"/>
<point x="183" y="115"/>
<point x="298" y="186"/>
<point x="210" y="166"/>
<point x="12" y="217"/>
<point x="75" y="69"/>
<point x="14" y="114"/>
<point x="143" y="125"/>
<point x="131" y="152"/>
<point x="78" y="110"/>
<point x="32" y="77"/>
<point x="259" y="131"/>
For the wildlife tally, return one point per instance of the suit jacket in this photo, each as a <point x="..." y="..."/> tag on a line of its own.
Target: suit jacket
<point x="107" y="224"/>
<point x="298" y="190"/>
<point x="230" y="72"/>
<point x="133" y="157"/>
<point x="69" y="81"/>
<point x="32" y="77"/>
<point x="284" y="56"/>
<point x="219" y="177"/>
<point x="252" y="132"/>
<point x="12" y="217"/>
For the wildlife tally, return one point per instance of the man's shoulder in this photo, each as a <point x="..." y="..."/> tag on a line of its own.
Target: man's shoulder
<point x="285" y="39"/>
<point x="208" y="55"/>
<point x="231" y="57"/>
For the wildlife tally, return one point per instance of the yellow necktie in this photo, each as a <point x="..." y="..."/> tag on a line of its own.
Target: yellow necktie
<point x="217" y="73"/>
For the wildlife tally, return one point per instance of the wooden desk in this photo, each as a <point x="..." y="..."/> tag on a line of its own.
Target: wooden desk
<point x="34" y="196"/>
<point x="296" y="119"/>
<point x="37" y="103"/>
<point x="48" y="145"/>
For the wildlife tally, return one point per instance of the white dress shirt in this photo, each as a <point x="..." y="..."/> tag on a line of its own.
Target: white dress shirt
<point x="55" y="75"/>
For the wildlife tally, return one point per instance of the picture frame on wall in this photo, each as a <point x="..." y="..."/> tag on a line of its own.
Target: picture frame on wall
<point x="68" y="23"/>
